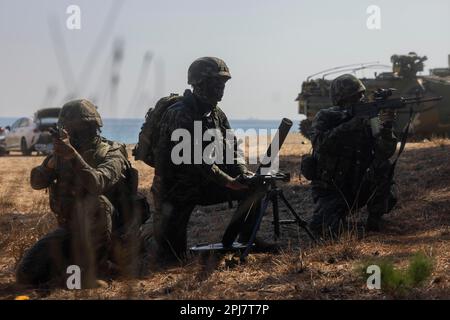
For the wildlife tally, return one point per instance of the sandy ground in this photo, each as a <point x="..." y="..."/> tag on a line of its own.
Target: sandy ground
<point x="420" y="223"/>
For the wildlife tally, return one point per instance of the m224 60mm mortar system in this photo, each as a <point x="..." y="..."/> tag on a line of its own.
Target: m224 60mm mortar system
<point x="430" y="118"/>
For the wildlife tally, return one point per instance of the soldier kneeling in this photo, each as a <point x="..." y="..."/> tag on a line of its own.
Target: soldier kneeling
<point x="179" y="187"/>
<point x="93" y="192"/>
<point x="352" y="168"/>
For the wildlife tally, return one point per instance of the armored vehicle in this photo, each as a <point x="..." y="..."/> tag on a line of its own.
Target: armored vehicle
<point x="429" y="119"/>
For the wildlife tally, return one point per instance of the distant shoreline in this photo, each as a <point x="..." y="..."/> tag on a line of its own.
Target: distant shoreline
<point x="142" y="119"/>
<point x="126" y="130"/>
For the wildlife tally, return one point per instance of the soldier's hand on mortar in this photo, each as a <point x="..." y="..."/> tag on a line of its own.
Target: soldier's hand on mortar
<point x="236" y="185"/>
<point x="245" y="176"/>
<point x="62" y="147"/>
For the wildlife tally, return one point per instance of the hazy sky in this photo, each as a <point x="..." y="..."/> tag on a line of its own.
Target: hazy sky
<point x="270" y="47"/>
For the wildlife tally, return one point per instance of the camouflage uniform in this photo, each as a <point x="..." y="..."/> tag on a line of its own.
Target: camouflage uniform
<point x="353" y="167"/>
<point x="86" y="194"/>
<point x="177" y="189"/>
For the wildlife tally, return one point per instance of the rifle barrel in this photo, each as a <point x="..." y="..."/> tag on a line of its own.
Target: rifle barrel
<point x="420" y="100"/>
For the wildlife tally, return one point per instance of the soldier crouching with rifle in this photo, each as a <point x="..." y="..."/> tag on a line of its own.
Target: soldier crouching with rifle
<point x="352" y="167"/>
<point x="178" y="188"/>
<point x="91" y="187"/>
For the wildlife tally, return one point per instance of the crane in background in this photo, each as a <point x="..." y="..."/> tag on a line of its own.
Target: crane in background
<point x="49" y="97"/>
<point x="137" y="98"/>
<point x="106" y="92"/>
<point x="62" y="57"/>
<point x="111" y="93"/>
<point x="77" y="86"/>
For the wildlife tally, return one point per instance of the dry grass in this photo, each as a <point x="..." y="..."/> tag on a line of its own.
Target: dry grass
<point x="303" y="271"/>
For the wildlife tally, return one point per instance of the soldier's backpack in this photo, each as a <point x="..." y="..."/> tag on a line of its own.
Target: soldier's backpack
<point x="149" y="135"/>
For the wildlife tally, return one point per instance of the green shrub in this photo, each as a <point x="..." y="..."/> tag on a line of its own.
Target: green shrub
<point x="420" y="269"/>
<point x="397" y="281"/>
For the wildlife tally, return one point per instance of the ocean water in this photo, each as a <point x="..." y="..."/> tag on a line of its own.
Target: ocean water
<point x="127" y="130"/>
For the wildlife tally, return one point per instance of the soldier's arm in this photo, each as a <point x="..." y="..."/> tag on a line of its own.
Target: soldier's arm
<point x="42" y="176"/>
<point x="328" y="137"/>
<point x="174" y="120"/>
<point x="385" y="144"/>
<point x="99" y="180"/>
<point x="323" y="135"/>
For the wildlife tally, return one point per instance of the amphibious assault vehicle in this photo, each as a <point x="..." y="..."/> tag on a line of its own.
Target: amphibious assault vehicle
<point x="429" y="119"/>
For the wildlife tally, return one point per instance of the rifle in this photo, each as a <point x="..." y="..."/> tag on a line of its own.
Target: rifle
<point x="383" y="101"/>
<point x="56" y="133"/>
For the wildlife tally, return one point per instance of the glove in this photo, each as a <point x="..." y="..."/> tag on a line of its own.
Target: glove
<point x="63" y="148"/>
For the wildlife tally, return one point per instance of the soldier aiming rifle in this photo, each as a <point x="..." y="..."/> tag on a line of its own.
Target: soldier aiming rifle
<point x="351" y="166"/>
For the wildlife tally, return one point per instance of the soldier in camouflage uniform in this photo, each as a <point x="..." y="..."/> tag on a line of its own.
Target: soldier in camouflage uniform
<point x="177" y="189"/>
<point x="88" y="182"/>
<point x="352" y="164"/>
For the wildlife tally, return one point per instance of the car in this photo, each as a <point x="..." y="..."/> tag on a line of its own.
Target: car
<point x="3" y="132"/>
<point x="32" y="134"/>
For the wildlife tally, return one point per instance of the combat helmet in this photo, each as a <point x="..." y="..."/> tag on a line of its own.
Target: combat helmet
<point x="79" y="111"/>
<point x="344" y="87"/>
<point x="207" y="67"/>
